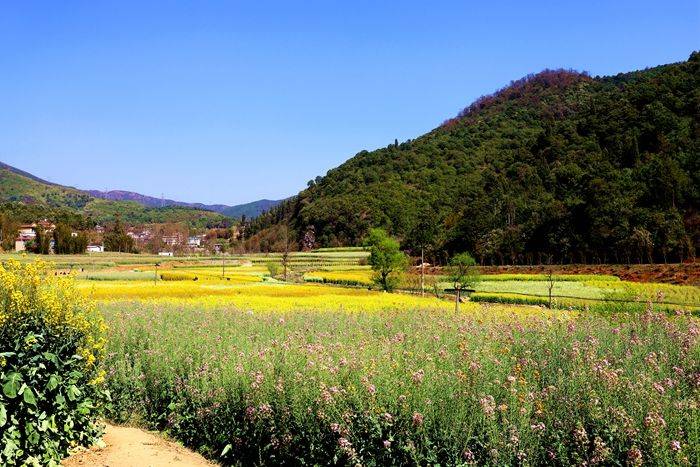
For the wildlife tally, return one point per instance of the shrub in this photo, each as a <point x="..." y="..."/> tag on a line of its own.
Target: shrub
<point x="51" y="343"/>
<point x="177" y="276"/>
<point x="514" y="299"/>
<point x="273" y="268"/>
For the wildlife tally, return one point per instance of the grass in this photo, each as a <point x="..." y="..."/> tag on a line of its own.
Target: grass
<point x="544" y="277"/>
<point x="354" y="277"/>
<point x="132" y="275"/>
<point x="569" y="289"/>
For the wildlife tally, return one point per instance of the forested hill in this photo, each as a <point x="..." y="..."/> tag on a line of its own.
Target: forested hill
<point x="26" y="198"/>
<point x="557" y="163"/>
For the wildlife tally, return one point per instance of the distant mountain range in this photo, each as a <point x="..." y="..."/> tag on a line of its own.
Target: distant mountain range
<point x="250" y="210"/>
<point x="16" y="185"/>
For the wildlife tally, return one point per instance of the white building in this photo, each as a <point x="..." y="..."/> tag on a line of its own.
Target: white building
<point x="172" y="240"/>
<point x="195" y="240"/>
<point x="165" y="253"/>
<point x="95" y="249"/>
<point x="27" y="231"/>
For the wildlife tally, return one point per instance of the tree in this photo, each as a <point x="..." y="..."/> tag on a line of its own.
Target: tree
<point x="116" y="238"/>
<point x="42" y="241"/>
<point x="65" y="242"/>
<point x="8" y="232"/>
<point x="285" y="253"/>
<point x="642" y="241"/>
<point x="273" y="268"/>
<point x="386" y="258"/>
<point x="551" y="279"/>
<point x="309" y="240"/>
<point x="423" y="237"/>
<point x="463" y="273"/>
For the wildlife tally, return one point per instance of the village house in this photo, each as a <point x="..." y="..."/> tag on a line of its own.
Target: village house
<point x="94" y="248"/>
<point x="172" y="240"/>
<point x="195" y="241"/>
<point x="140" y="236"/>
<point x="27" y="232"/>
<point x="21" y="242"/>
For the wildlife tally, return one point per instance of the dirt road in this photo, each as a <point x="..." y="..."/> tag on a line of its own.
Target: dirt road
<point x="131" y="447"/>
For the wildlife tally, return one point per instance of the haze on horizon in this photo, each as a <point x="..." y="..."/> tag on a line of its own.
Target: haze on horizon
<point x="230" y="102"/>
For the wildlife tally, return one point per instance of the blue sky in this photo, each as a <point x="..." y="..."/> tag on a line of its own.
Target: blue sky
<point x="230" y="101"/>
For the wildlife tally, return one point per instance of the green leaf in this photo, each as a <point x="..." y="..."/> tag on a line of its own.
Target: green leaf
<point x="3" y="415"/>
<point x="73" y="392"/>
<point x="29" y="396"/>
<point x="226" y="450"/>
<point x="31" y="434"/>
<point x="10" y="448"/>
<point x="50" y="357"/>
<point x="53" y="383"/>
<point x="12" y="385"/>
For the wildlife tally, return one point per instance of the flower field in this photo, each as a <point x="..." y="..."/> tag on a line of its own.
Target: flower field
<point x="249" y="370"/>
<point x="258" y="297"/>
<point x="492" y="385"/>
<point x="571" y="290"/>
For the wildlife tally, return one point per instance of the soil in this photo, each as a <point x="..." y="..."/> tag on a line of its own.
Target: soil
<point x="127" y="447"/>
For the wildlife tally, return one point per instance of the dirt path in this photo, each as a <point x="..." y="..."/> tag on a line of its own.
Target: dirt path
<point x="127" y="447"/>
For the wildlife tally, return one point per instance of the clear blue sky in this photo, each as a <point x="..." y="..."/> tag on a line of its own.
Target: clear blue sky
<point x="230" y="101"/>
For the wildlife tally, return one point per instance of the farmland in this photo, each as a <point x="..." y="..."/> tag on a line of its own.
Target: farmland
<point x="247" y="368"/>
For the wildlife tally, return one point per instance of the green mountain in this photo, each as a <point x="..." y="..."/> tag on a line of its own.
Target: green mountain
<point x="27" y="197"/>
<point x="250" y="210"/>
<point x="557" y="165"/>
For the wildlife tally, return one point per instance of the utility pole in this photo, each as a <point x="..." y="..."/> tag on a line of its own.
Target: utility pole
<point x="155" y="275"/>
<point x="422" y="271"/>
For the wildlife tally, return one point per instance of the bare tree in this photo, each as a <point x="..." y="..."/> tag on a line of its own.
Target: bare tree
<point x="463" y="274"/>
<point x="285" y="254"/>
<point x="551" y="279"/>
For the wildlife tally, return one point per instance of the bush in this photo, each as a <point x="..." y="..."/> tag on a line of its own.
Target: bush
<point x="177" y="276"/>
<point x="273" y="268"/>
<point x="52" y="341"/>
<point x="515" y="299"/>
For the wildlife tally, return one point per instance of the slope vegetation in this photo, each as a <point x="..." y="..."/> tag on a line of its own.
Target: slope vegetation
<point x="556" y="165"/>
<point x="28" y="198"/>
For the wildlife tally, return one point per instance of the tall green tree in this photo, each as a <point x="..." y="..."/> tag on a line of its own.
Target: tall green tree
<point x="116" y="238"/>
<point x="386" y="258"/>
<point x="67" y="243"/>
<point x="9" y="227"/>
<point x="42" y="241"/>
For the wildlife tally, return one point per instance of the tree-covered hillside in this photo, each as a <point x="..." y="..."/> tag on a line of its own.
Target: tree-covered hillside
<point x="28" y="198"/>
<point x="556" y="165"/>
